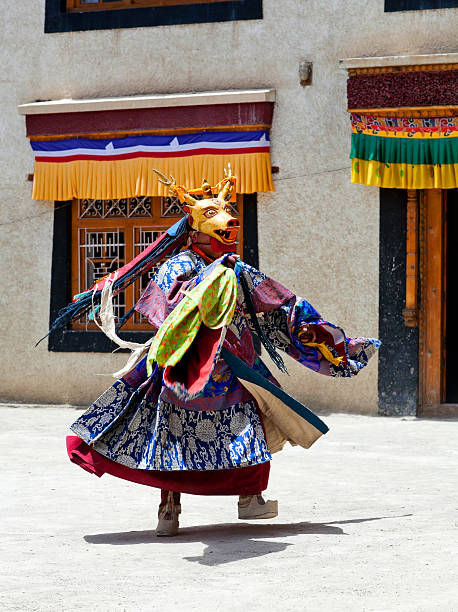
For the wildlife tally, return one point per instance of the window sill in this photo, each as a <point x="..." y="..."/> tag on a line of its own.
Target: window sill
<point x="73" y="341"/>
<point x="398" y="61"/>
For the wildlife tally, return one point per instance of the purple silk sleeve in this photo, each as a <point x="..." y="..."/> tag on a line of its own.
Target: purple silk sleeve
<point x="156" y="305"/>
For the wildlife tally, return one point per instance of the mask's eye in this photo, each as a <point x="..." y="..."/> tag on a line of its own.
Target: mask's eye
<point x="210" y="212"/>
<point x="228" y="209"/>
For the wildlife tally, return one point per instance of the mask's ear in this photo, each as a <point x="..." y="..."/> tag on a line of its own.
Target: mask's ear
<point x="186" y="208"/>
<point x="207" y="190"/>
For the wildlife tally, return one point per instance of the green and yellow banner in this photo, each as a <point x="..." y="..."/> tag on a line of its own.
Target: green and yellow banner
<point x="405" y="153"/>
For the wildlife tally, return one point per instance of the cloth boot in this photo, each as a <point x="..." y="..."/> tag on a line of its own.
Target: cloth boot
<point x="253" y="507"/>
<point x="169" y="510"/>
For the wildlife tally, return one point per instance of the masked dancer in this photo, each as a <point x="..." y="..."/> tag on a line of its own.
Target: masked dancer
<point x="195" y="409"/>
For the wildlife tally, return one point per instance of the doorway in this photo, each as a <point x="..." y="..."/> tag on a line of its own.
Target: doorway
<point x="438" y="323"/>
<point x="451" y="297"/>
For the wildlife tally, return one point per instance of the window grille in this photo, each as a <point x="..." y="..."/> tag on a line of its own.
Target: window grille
<point x="143" y="237"/>
<point x="100" y="253"/>
<point x="106" y="234"/>
<point x="171" y="207"/>
<point x="124" y="207"/>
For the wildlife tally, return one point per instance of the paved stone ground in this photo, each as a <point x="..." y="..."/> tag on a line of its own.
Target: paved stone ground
<point x="368" y="522"/>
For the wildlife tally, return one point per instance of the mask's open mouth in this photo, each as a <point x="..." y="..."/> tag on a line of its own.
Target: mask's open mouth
<point x="227" y="236"/>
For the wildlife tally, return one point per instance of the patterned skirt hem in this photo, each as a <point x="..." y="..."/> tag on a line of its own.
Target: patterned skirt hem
<point x="249" y="480"/>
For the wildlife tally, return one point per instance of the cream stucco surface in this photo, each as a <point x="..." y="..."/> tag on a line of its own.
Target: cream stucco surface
<point x="318" y="234"/>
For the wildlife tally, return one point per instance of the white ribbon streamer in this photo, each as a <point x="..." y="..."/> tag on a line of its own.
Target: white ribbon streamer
<point x="107" y="325"/>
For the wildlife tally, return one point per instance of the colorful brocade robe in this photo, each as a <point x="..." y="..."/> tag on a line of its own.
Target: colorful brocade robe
<point x="199" y="415"/>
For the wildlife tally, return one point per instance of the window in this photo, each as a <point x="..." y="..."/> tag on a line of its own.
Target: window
<point x="115" y="230"/>
<point x="107" y="234"/>
<point x="93" y="237"/>
<point x="75" y="15"/>
<point x="418" y="5"/>
<point x="104" y="5"/>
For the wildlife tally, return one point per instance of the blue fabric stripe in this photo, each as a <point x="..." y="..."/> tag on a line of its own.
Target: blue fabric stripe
<point x="152" y="141"/>
<point x="243" y="371"/>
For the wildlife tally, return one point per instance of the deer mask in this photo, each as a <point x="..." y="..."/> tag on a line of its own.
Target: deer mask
<point x="211" y="215"/>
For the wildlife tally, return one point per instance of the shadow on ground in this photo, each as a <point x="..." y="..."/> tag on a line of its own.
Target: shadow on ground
<point x="230" y="542"/>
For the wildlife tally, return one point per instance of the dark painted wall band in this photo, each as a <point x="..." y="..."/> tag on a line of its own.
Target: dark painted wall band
<point x="398" y="359"/>
<point x="58" y="20"/>
<point x="418" y="5"/>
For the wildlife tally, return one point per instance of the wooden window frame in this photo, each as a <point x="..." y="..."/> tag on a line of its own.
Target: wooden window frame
<point x="156" y="222"/>
<point x="76" y="340"/>
<point x="78" y="6"/>
<point x="128" y="227"/>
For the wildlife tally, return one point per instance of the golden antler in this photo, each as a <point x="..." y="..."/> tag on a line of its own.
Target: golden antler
<point x="226" y="190"/>
<point x="163" y="179"/>
<point x="177" y="190"/>
<point x="226" y="185"/>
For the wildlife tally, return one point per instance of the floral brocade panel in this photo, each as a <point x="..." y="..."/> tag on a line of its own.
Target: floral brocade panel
<point x="402" y="89"/>
<point x="158" y="435"/>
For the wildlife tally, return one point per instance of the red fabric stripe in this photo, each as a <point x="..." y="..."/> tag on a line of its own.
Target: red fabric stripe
<point x="237" y="481"/>
<point x="195" y="366"/>
<point x="155" y="155"/>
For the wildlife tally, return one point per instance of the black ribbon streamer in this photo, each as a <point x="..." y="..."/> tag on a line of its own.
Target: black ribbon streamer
<point x="265" y="340"/>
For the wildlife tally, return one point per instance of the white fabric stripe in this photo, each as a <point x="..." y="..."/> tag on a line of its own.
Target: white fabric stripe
<point x="149" y="149"/>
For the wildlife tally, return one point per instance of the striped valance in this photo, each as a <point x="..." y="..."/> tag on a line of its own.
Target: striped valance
<point x="106" y="148"/>
<point x="105" y="168"/>
<point x="398" y="152"/>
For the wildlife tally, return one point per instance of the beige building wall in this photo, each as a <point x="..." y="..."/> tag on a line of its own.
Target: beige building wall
<point x="318" y="234"/>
